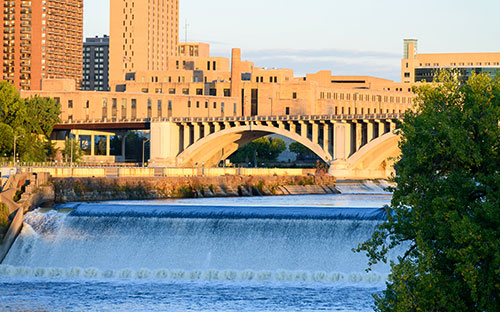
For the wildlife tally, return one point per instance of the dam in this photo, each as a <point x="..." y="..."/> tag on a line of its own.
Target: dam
<point x="231" y="254"/>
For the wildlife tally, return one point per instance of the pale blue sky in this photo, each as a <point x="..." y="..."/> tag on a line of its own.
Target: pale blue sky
<point x="358" y="37"/>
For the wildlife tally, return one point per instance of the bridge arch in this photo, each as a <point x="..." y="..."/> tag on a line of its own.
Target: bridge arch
<point x="374" y="160"/>
<point x="218" y="146"/>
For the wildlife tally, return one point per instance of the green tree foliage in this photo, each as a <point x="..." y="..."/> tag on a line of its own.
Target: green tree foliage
<point x="6" y="139"/>
<point x="12" y="108"/>
<point x="42" y="114"/>
<point x="31" y="121"/>
<point x="74" y="150"/>
<point x="301" y="151"/>
<point x="446" y="207"/>
<point x="265" y="149"/>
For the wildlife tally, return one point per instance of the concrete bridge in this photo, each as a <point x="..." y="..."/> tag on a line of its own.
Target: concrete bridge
<point x="356" y="146"/>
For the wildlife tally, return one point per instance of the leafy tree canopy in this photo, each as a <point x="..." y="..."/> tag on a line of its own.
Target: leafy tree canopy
<point x="30" y="121"/>
<point x="446" y="205"/>
<point x="301" y="151"/>
<point x="265" y="148"/>
<point x="12" y="108"/>
<point x="6" y="139"/>
<point x="42" y="114"/>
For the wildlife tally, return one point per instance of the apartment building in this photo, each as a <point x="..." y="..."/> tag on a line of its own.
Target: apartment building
<point x="143" y="35"/>
<point x="96" y="64"/>
<point x="41" y="40"/>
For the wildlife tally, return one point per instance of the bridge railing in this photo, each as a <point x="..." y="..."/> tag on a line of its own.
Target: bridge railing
<point x="346" y="117"/>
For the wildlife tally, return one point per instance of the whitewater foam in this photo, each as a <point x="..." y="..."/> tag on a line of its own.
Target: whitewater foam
<point x="206" y="275"/>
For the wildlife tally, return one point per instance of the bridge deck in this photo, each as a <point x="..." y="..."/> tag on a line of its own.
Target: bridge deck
<point x="141" y="124"/>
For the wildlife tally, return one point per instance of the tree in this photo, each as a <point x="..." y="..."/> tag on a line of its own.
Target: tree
<point x="6" y="139"/>
<point x="445" y="209"/>
<point x="12" y="108"/>
<point x="43" y="114"/>
<point x="265" y="149"/>
<point x="301" y="151"/>
<point x="74" y="151"/>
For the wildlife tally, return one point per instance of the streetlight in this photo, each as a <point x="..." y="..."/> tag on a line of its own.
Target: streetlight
<point x="143" y="144"/>
<point x="15" y="139"/>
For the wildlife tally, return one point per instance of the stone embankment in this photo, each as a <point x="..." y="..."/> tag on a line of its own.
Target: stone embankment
<point x="101" y="189"/>
<point x="22" y="192"/>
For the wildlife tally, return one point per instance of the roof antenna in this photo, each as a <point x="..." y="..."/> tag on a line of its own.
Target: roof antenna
<point x="186" y="31"/>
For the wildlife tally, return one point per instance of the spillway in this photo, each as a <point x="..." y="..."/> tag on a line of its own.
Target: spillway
<point x="246" y="254"/>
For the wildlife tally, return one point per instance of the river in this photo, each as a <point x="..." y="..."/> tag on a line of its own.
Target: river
<point x="290" y="253"/>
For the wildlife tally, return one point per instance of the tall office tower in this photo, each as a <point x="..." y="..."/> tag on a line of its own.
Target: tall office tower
<point x="41" y="39"/>
<point x="143" y="33"/>
<point x="96" y="64"/>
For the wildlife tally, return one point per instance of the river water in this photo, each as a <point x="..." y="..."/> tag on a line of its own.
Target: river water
<point x="289" y="253"/>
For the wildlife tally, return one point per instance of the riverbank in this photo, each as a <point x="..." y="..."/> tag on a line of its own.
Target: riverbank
<point x="102" y="189"/>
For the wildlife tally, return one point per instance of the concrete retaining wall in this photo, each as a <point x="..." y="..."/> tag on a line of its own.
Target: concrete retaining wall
<point x="171" y="172"/>
<point x="12" y="232"/>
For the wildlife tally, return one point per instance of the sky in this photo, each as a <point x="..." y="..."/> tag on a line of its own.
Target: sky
<point x="349" y="37"/>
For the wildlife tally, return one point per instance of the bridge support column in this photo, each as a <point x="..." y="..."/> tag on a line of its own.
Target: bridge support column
<point x="164" y="143"/>
<point x="293" y="127"/>
<point x="108" y="145"/>
<point x="186" y="140"/>
<point x="217" y="127"/>
<point x="359" y="134"/>
<point x="327" y="138"/>
<point x="92" y="145"/>
<point x="343" y="140"/>
<point x="196" y="132"/>
<point x="392" y="125"/>
<point x="381" y="127"/>
<point x="370" y="133"/>
<point x="315" y="132"/>
<point x="303" y="129"/>
<point x="206" y="129"/>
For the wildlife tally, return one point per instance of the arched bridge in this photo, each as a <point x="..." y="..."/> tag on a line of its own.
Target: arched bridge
<point x="356" y="146"/>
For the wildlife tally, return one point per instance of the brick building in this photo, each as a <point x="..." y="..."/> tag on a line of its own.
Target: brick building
<point x="41" y="40"/>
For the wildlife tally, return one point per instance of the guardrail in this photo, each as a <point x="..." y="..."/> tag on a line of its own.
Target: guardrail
<point x="240" y="118"/>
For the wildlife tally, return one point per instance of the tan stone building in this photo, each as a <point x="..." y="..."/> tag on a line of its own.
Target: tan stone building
<point x="218" y="87"/>
<point x="143" y="34"/>
<point x="42" y="39"/>
<point x="419" y="67"/>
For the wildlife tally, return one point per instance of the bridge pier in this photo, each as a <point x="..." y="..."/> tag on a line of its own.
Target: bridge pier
<point x="165" y="143"/>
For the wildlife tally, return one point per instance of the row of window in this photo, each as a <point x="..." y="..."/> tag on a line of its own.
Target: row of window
<point x="462" y="64"/>
<point x="364" y="97"/>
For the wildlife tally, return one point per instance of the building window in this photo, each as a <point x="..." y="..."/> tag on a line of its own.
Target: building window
<point x="294" y="95"/>
<point x="133" y="105"/>
<point x="104" y="108"/>
<point x="159" y="106"/>
<point x="70" y="103"/>
<point x="124" y="108"/>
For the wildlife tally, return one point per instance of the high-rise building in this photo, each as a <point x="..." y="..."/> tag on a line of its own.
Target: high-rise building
<point x="41" y="39"/>
<point x="419" y="67"/>
<point x="143" y="34"/>
<point x="96" y="64"/>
